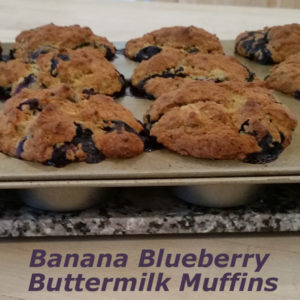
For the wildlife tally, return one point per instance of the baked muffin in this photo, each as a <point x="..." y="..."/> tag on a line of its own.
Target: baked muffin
<point x="230" y="120"/>
<point x="171" y="69"/>
<point x="190" y="39"/>
<point x="59" y="126"/>
<point x="31" y="43"/>
<point x="15" y="75"/>
<point x="269" y="45"/>
<point x="85" y="70"/>
<point x="285" y="77"/>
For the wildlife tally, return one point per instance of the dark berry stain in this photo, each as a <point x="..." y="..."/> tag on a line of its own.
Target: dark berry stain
<point x="257" y="48"/>
<point x="193" y="50"/>
<point x="270" y="150"/>
<point x="27" y="81"/>
<point x="150" y="143"/>
<point x="139" y="90"/>
<point x="146" y="53"/>
<point x="4" y="93"/>
<point x="89" y="92"/>
<point x="12" y="53"/>
<point x="5" y="57"/>
<point x="148" y="125"/>
<point x="82" y="46"/>
<point x="34" y="55"/>
<point x="54" y="64"/>
<point x="108" y="55"/>
<point x="59" y="155"/>
<point x="124" y="85"/>
<point x="243" y="126"/>
<point x="20" y="148"/>
<point x="251" y="75"/>
<point x="118" y="126"/>
<point x="33" y="104"/>
<point x="244" y="129"/>
<point x="297" y="94"/>
<point x="84" y="138"/>
<point x="120" y="93"/>
<point x="63" y="57"/>
<point x="217" y="80"/>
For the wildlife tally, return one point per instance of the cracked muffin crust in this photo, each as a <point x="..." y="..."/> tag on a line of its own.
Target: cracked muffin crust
<point x="170" y="70"/>
<point x="229" y="120"/>
<point x="31" y="43"/>
<point x="269" y="45"/>
<point x="14" y="75"/>
<point x="191" y="39"/>
<point x="59" y="126"/>
<point x="285" y="77"/>
<point x="85" y="70"/>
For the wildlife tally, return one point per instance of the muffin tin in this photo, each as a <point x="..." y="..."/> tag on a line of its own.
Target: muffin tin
<point x="161" y="167"/>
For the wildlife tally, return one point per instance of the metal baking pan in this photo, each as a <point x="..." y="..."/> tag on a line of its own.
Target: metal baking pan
<point x="162" y="167"/>
<point x="162" y="163"/>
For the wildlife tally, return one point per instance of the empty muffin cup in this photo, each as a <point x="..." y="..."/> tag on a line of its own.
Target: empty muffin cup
<point x="63" y="198"/>
<point x="218" y="195"/>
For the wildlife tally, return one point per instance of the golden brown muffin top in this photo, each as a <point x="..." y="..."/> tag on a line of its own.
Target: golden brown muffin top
<point x="85" y="70"/>
<point x="12" y="70"/>
<point x="224" y="121"/>
<point x="82" y="69"/>
<point x="169" y="70"/>
<point x="190" y="39"/>
<point x="285" y="77"/>
<point x="30" y="43"/>
<point x="38" y="125"/>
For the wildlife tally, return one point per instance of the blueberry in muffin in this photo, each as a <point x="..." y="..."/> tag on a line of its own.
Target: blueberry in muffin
<point x="30" y="44"/>
<point x="85" y="70"/>
<point x="229" y="120"/>
<point x="270" y="45"/>
<point x="173" y="68"/>
<point x="15" y="75"/>
<point x="59" y="126"/>
<point x="190" y="39"/>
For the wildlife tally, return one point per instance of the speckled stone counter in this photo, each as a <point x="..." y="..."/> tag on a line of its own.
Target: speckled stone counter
<point x="153" y="211"/>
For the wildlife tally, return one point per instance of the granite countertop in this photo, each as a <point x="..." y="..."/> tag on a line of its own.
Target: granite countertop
<point x="153" y="211"/>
